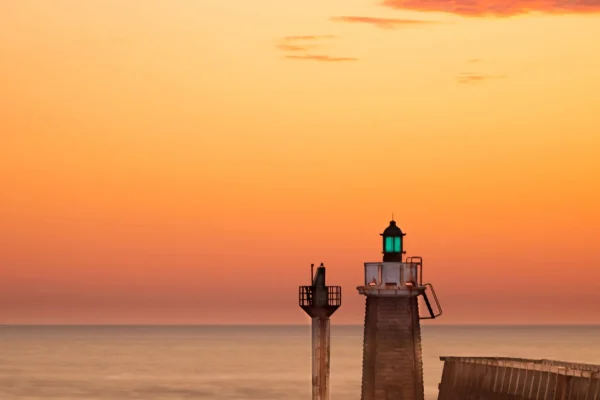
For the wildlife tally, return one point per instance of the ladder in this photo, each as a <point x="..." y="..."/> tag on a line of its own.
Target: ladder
<point x="428" y="304"/>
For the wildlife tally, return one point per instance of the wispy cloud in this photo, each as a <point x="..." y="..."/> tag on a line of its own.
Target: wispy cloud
<point x="305" y="43"/>
<point x="304" y="38"/>
<point x="319" y="57"/>
<point x="475" y="60"/>
<point x="294" y="47"/>
<point x="473" y="77"/>
<point x="383" y="23"/>
<point x="498" y="8"/>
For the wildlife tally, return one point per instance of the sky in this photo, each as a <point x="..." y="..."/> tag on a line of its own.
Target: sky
<point x="183" y="162"/>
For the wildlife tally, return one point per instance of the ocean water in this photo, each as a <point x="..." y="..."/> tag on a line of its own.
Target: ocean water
<point x="238" y="362"/>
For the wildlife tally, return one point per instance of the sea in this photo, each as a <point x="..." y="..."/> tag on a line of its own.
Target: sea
<point x="239" y="362"/>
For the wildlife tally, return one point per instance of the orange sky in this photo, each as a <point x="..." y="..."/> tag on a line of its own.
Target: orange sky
<point x="185" y="162"/>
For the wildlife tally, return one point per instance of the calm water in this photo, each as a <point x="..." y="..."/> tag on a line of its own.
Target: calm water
<point x="272" y="362"/>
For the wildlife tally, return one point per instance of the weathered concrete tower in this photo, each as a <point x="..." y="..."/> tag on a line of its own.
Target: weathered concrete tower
<point x="320" y="302"/>
<point x="392" y="361"/>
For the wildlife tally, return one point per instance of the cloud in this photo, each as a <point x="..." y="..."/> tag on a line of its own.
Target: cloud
<point x="497" y="8"/>
<point x="307" y="37"/>
<point x="475" y="60"/>
<point x="293" y="47"/>
<point x="318" y="57"/>
<point x="295" y="44"/>
<point x="301" y="43"/>
<point x="383" y="23"/>
<point x="472" y="77"/>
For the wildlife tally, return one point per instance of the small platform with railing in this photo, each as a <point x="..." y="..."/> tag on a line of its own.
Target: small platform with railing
<point x="392" y="279"/>
<point x="321" y="300"/>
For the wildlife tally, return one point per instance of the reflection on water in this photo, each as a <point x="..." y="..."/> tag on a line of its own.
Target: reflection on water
<point x="255" y="362"/>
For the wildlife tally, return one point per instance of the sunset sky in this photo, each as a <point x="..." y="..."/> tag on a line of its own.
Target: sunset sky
<point x="186" y="161"/>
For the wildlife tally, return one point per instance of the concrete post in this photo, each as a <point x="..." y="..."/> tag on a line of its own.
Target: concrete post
<point x="321" y="357"/>
<point x="320" y="302"/>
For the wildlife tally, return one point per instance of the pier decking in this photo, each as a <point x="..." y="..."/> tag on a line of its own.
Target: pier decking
<point x="499" y="378"/>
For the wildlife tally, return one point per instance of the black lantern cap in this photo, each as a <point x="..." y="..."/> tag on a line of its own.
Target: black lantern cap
<point x="393" y="230"/>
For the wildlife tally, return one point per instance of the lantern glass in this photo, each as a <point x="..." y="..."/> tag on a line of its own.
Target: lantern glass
<point x="397" y="244"/>
<point x="389" y="244"/>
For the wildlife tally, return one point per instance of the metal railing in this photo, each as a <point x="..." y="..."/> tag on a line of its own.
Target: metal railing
<point x="515" y="362"/>
<point x="306" y="296"/>
<point x="419" y="262"/>
<point x="408" y="273"/>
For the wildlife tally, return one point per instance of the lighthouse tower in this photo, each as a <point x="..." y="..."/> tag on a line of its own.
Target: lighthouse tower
<point x="320" y="302"/>
<point x="392" y="364"/>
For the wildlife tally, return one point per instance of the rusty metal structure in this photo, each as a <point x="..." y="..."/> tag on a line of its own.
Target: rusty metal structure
<point x="320" y="301"/>
<point x="500" y="378"/>
<point x="392" y="361"/>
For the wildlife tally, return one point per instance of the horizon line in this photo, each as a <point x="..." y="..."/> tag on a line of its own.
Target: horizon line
<point x="275" y="325"/>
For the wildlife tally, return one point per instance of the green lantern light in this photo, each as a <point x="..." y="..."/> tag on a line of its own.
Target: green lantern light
<point x="393" y="246"/>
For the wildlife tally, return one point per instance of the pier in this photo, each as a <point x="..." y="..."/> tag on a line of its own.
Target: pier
<point x="498" y="378"/>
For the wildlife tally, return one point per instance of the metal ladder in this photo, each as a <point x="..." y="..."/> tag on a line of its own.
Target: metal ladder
<point x="439" y="307"/>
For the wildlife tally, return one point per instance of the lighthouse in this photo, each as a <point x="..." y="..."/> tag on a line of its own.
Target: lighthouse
<point x="392" y="363"/>
<point x="320" y="302"/>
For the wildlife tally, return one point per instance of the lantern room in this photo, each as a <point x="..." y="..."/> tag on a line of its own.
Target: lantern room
<point x="393" y="243"/>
